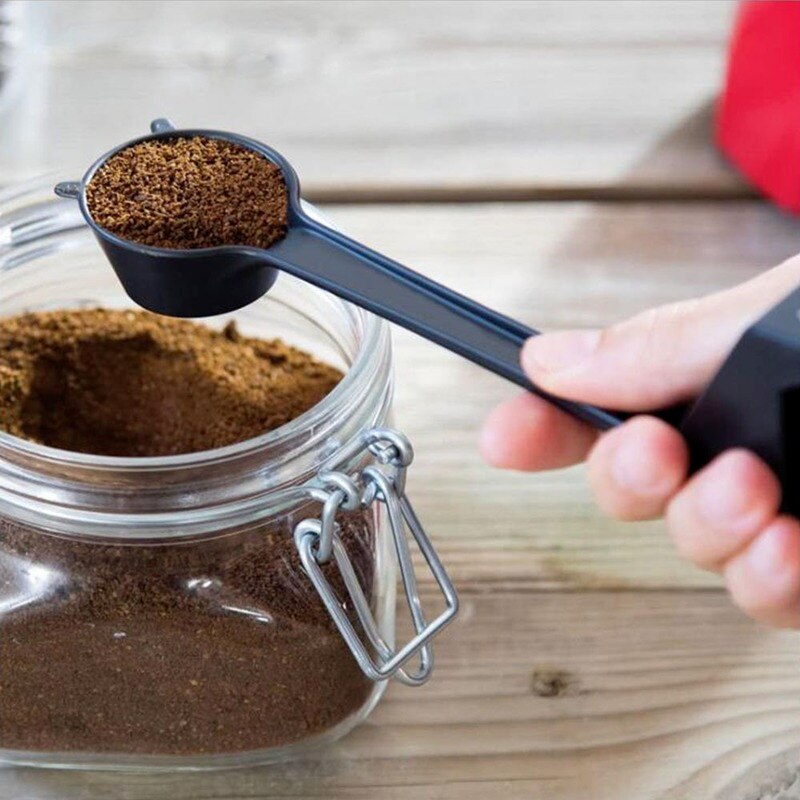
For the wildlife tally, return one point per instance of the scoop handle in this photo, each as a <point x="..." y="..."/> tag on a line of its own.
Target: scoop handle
<point x="334" y="262"/>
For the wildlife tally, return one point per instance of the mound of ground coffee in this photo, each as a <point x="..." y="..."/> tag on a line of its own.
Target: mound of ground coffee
<point x="184" y="193"/>
<point x="217" y="644"/>
<point x="131" y="383"/>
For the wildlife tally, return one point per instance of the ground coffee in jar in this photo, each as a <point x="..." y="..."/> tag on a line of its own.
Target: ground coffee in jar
<point x="197" y="646"/>
<point x="131" y="383"/>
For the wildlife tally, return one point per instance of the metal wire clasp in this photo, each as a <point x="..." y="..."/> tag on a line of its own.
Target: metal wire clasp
<point x="318" y="539"/>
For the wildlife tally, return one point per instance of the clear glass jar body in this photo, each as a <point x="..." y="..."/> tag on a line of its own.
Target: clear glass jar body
<point x="15" y="31"/>
<point x="153" y="611"/>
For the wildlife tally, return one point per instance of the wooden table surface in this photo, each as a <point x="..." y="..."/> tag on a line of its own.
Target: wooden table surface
<point x="587" y="661"/>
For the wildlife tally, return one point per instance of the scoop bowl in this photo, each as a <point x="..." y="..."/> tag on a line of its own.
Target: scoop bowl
<point x="187" y="283"/>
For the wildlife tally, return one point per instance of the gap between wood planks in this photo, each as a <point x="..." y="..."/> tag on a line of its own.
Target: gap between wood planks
<point x="483" y="588"/>
<point x="408" y="195"/>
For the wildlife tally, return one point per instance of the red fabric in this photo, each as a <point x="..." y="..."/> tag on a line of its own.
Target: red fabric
<point x="758" y="120"/>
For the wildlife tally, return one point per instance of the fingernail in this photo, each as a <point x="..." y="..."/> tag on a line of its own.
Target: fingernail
<point x="556" y="352"/>
<point x="722" y="499"/>
<point x="635" y="473"/>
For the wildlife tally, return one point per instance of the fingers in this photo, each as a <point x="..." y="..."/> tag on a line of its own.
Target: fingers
<point x="663" y="356"/>
<point x="528" y="433"/>
<point x="764" y="579"/>
<point x="726" y="519"/>
<point x="635" y="470"/>
<point x="722" y="508"/>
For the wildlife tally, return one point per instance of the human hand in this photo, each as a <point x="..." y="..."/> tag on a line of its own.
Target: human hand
<point x="725" y="518"/>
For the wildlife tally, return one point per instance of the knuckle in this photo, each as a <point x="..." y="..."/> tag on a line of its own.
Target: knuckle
<point x="662" y="332"/>
<point x="655" y="339"/>
<point x="690" y="544"/>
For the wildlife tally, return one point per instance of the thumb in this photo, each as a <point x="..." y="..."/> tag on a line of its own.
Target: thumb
<point x="664" y="356"/>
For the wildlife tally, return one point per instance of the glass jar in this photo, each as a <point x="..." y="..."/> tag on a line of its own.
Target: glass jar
<point x="218" y="608"/>
<point x="15" y="30"/>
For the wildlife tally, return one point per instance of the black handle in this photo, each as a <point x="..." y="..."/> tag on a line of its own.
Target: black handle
<point x="347" y="268"/>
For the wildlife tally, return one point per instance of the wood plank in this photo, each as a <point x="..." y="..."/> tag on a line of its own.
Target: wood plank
<point x="663" y="695"/>
<point x="392" y="100"/>
<point x="551" y="266"/>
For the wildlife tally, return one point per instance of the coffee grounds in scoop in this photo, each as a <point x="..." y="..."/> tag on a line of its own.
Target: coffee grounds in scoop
<point x="187" y="193"/>
<point x="131" y="383"/>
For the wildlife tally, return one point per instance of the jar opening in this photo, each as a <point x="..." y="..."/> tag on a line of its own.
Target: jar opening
<point x="131" y="383"/>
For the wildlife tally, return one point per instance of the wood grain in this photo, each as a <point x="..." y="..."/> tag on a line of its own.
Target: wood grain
<point x="425" y="100"/>
<point x="664" y="695"/>
<point x="551" y="266"/>
<point x="587" y="661"/>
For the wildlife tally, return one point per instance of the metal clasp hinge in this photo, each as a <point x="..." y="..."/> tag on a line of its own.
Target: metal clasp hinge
<point x="318" y="539"/>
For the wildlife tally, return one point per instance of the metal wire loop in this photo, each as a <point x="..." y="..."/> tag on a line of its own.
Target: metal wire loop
<point x="328" y="526"/>
<point x="351" y="499"/>
<point x="344" y="494"/>
<point x="318" y="539"/>
<point x="380" y="442"/>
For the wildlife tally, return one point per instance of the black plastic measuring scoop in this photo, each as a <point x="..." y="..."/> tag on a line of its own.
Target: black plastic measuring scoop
<point x="217" y="280"/>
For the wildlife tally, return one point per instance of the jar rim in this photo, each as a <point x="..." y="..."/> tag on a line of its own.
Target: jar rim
<point x="24" y="463"/>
